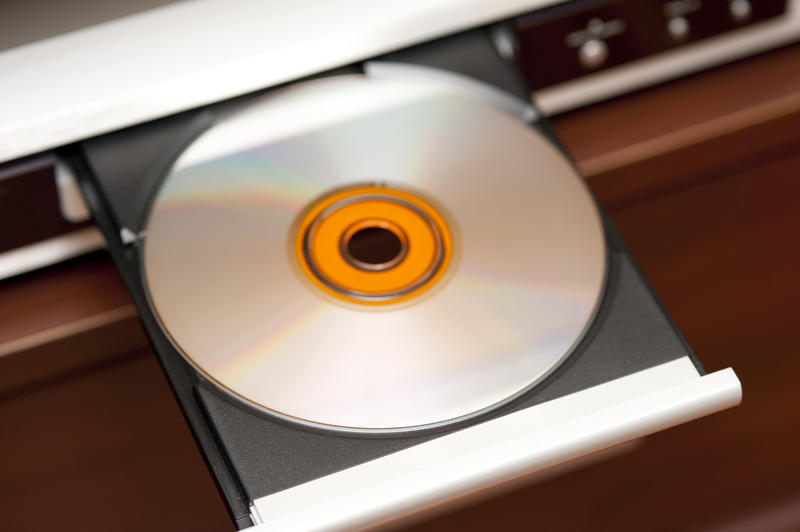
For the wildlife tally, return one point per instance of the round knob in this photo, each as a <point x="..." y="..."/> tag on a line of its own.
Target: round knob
<point x="740" y="10"/>
<point x="593" y="53"/>
<point x="678" y="29"/>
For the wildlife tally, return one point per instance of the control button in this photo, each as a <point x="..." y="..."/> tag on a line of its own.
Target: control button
<point x="740" y="10"/>
<point x="678" y="29"/>
<point x="593" y="53"/>
<point x="680" y="8"/>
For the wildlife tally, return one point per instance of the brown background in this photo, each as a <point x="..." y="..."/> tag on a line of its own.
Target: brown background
<point x="702" y="178"/>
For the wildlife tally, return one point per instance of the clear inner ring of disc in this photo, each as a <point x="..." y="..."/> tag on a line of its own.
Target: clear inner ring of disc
<point x="374" y="245"/>
<point x="217" y="256"/>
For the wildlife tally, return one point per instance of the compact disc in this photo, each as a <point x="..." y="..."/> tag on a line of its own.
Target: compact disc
<point x="374" y="254"/>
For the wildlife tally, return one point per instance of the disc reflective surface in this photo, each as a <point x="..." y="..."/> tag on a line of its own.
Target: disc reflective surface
<point x="527" y="272"/>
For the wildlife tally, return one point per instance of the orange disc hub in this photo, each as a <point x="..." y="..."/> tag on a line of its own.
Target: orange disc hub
<point x="373" y="244"/>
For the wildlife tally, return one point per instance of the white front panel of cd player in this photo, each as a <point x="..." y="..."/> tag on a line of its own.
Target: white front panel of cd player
<point x="188" y="54"/>
<point x="184" y="55"/>
<point x="500" y="450"/>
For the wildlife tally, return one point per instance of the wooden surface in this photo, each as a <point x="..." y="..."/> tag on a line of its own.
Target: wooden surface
<point x="710" y="206"/>
<point x="103" y="449"/>
<point x="55" y="297"/>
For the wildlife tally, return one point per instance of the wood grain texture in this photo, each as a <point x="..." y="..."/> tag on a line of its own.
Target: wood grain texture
<point x="634" y="181"/>
<point x="104" y="450"/>
<point x="55" y="296"/>
<point x="676" y="106"/>
<point x="58" y="353"/>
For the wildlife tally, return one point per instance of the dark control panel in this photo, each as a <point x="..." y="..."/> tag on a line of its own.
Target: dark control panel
<point x="577" y="38"/>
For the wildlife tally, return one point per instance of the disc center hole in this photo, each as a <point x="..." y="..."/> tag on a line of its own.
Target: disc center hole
<point x="374" y="246"/>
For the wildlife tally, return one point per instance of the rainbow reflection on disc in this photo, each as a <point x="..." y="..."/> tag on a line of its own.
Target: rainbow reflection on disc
<point x="526" y="277"/>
